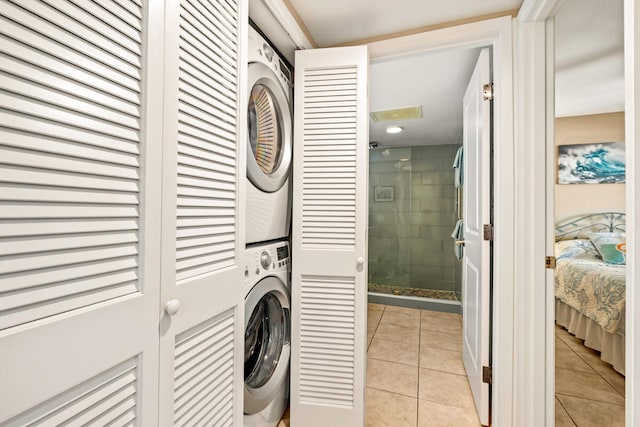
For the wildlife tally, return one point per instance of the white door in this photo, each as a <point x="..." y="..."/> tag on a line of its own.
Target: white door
<point x="329" y="274"/>
<point x="477" y="214"/>
<point x="201" y="330"/>
<point x="79" y="230"/>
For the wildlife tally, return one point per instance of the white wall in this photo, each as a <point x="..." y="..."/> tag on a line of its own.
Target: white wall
<point x="578" y="199"/>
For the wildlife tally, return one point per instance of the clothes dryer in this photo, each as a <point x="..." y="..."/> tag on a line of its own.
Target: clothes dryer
<point x="269" y="143"/>
<point x="267" y="348"/>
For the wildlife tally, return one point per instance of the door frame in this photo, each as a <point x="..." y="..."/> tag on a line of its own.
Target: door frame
<point x="498" y="34"/>
<point x="536" y="31"/>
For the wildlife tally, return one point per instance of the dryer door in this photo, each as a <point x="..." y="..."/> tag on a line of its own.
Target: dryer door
<point x="269" y="121"/>
<point x="266" y="343"/>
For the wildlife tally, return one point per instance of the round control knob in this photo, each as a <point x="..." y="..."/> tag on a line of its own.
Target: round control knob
<point x="172" y="307"/>
<point x="268" y="52"/>
<point x="265" y="260"/>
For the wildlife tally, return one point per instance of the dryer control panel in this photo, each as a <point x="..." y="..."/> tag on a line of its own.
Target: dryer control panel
<point x="261" y="51"/>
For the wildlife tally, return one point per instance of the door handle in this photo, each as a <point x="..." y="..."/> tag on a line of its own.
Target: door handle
<point x="359" y="260"/>
<point x="460" y="242"/>
<point x="172" y="307"/>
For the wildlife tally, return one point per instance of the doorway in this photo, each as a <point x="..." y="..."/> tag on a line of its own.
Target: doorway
<point x="501" y="145"/>
<point x="589" y="205"/>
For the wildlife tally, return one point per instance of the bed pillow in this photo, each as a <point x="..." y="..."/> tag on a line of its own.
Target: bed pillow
<point x="576" y="248"/>
<point x="612" y="247"/>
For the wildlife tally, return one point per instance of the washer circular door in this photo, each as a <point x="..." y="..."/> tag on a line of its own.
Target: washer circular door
<point x="269" y="122"/>
<point x="267" y="346"/>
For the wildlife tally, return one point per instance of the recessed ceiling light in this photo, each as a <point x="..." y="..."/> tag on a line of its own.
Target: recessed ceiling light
<point x="394" y="129"/>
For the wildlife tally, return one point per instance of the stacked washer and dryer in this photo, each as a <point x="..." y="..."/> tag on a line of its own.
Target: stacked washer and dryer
<point x="267" y="335"/>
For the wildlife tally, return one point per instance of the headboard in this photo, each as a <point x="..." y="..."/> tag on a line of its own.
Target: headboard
<point x="580" y="227"/>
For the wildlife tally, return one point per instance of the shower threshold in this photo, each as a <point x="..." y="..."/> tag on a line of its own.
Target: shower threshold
<point x="413" y="292"/>
<point x="424" y="299"/>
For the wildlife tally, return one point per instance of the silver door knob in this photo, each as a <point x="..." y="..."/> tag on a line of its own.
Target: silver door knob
<point x="172" y="307"/>
<point x="359" y="260"/>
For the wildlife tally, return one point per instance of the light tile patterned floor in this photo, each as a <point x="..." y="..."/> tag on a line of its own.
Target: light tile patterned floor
<point x="588" y="391"/>
<point x="415" y="376"/>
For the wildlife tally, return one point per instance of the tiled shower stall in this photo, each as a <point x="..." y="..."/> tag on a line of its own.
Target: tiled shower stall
<point x="412" y="213"/>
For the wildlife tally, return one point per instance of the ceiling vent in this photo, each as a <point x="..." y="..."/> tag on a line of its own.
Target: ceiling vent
<point x="408" y="113"/>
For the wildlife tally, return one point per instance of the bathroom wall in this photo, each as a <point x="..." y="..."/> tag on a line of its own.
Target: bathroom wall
<point x="410" y="240"/>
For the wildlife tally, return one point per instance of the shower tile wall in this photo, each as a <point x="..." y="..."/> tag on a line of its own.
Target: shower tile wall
<point x="410" y="240"/>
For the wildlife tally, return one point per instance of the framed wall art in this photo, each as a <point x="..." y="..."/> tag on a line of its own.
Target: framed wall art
<point x="384" y="193"/>
<point x="595" y="163"/>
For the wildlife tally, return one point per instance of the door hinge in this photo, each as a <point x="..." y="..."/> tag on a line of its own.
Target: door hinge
<point x="488" y="232"/>
<point x="550" y="262"/>
<point x="487" y="92"/>
<point x="486" y="374"/>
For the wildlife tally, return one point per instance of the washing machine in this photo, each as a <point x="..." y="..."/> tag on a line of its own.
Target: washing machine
<point x="267" y="334"/>
<point x="269" y="143"/>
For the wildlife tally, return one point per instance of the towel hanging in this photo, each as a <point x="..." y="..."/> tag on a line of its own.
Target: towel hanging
<point x="457" y="166"/>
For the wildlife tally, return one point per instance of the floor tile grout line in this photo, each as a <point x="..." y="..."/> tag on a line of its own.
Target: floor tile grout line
<point x="575" y="423"/>
<point x="590" y="400"/>
<point x="392" y="392"/>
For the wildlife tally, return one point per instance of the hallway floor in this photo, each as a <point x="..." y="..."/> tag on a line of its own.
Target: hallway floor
<point x="415" y="376"/>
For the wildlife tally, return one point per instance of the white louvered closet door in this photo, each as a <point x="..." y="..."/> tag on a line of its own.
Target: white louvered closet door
<point x="79" y="235"/>
<point x="202" y="330"/>
<point x="329" y="274"/>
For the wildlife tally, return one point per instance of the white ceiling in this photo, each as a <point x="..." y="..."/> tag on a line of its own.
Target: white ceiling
<point x="589" y="54"/>
<point x="333" y="22"/>
<point x="435" y="81"/>
<point x="589" y="65"/>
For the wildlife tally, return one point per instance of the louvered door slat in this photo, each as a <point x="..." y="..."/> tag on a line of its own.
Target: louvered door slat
<point x="55" y="67"/>
<point x="204" y="382"/>
<point x="106" y="24"/>
<point x="195" y="71"/>
<point x="195" y="24"/>
<point x="127" y="14"/>
<point x="29" y="158"/>
<point x="66" y="40"/>
<point x="70" y="153"/>
<point x="84" y="285"/>
<point x="67" y="86"/>
<point x="200" y="152"/>
<point x="66" y="276"/>
<point x="82" y="31"/>
<point x="24" y="228"/>
<point x="221" y="20"/>
<point x="106" y="397"/>
<point x="199" y="172"/>
<point x="68" y="102"/>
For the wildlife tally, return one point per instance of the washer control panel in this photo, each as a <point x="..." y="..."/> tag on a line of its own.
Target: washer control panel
<point x="264" y="259"/>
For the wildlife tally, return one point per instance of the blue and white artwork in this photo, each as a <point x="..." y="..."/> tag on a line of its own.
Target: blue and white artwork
<point x="600" y="163"/>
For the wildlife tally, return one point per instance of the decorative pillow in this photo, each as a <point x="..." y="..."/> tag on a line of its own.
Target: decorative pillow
<point x="612" y="247"/>
<point x="576" y="248"/>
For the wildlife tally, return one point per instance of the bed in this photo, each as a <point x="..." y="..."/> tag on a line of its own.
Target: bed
<point x="590" y="282"/>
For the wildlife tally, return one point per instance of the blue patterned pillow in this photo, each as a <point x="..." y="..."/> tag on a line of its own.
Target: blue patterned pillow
<point x="576" y="248"/>
<point x="612" y="247"/>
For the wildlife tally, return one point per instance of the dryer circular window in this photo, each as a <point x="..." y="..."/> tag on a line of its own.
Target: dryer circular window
<point x="269" y="129"/>
<point x="266" y="343"/>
